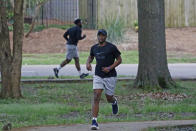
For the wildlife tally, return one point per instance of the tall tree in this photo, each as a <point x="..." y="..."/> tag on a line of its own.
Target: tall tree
<point x="153" y="68"/>
<point x="11" y="59"/>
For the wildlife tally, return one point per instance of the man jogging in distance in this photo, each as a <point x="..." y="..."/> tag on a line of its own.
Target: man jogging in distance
<point x="107" y="58"/>
<point x="72" y="36"/>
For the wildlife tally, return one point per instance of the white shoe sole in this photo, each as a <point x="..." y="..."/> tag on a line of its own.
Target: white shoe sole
<point x="94" y="128"/>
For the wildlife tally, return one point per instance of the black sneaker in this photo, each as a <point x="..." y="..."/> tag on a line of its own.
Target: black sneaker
<point x="115" y="107"/>
<point x="83" y="75"/>
<point x="94" y="125"/>
<point x="56" y="71"/>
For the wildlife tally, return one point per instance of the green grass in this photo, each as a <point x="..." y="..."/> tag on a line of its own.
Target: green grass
<point x="184" y="59"/>
<point x="50" y="59"/>
<point x="129" y="57"/>
<point x="56" y="104"/>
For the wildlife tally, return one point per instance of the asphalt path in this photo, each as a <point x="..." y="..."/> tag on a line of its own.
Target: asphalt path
<point x="115" y="126"/>
<point x="178" y="71"/>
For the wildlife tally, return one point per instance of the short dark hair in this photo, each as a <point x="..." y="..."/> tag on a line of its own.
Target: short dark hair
<point x="76" y="21"/>
<point x="102" y="31"/>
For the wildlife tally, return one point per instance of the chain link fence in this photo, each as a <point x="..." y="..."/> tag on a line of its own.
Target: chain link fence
<point x="62" y="12"/>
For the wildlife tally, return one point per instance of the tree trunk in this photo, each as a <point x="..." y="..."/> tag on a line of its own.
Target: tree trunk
<point x="153" y="69"/>
<point x="18" y="34"/>
<point x="11" y="62"/>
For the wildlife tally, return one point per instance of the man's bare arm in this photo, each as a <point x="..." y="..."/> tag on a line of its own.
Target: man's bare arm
<point x="88" y="63"/>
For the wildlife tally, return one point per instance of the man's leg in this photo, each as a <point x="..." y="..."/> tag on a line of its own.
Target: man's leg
<point x="110" y="85"/>
<point x="96" y="100"/>
<point x="69" y="56"/>
<point x="56" y="70"/>
<point x="95" y="108"/>
<point x="110" y="99"/>
<point x="65" y="62"/>
<point x="113" y="100"/>
<point x="77" y="64"/>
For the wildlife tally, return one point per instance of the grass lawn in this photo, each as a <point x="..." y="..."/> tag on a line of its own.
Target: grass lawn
<point x="129" y="57"/>
<point x="55" y="104"/>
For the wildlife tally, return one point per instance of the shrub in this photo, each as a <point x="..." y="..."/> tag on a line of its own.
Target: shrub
<point x="115" y="27"/>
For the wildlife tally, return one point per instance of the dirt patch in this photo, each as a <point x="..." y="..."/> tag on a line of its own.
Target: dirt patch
<point x="51" y="41"/>
<point x="156" y="95"/>
<point x="180" y="40"/>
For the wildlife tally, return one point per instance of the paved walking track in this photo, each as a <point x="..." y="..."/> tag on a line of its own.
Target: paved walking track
<point x="116" y="126"/>
<point x="178" y="71"/>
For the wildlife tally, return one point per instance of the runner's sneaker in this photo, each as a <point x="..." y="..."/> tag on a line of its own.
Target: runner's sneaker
<point x="56" y="71"/>
<point x="83" y="75"/>
<point x="94" y="125"/>
<point x="115" y="107"/>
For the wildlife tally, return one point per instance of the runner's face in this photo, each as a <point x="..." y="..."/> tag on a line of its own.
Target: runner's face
<point x="80" y="24"/>
<point x="101" y="38"/>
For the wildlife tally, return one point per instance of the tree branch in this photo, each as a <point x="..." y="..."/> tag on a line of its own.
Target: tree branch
<point x="39" y="5"/>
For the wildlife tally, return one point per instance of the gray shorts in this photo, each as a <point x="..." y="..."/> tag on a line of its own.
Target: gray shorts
<point x="71" y="51"/>
<point x="108" y="84"/>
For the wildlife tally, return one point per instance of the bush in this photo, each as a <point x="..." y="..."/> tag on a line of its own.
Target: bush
<point x="136" y="27"/>
<point x="39" y="28"/>
<point x="135" y="23"/>
<point x="10" y="27"/>
<point x="115" y="27"/>
<point x="64" y="27"/>
<point x="26" y="27"/>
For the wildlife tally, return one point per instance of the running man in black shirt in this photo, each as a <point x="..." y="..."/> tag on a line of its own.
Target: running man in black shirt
<point x="107" y="58"/>
<point x="72" y="36"/>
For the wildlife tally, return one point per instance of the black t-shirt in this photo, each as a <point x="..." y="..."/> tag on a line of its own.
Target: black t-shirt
<point x="105" y="56"/>
<point x="74" y="34"/>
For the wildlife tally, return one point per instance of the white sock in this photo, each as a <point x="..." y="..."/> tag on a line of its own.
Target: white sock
<point x="94" y="118"/>
<point x="114" y="103"/>
<point x="59" y="67"/>
<point x="79" y="73"/>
